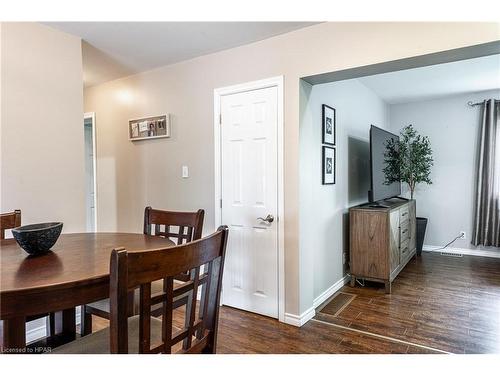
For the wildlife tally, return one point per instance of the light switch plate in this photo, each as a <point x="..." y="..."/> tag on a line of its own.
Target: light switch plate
<point x="185" y="171"/>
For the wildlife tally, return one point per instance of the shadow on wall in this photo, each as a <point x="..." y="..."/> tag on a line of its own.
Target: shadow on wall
<point x="358" y="178"/>
<point x="345" y="245"/>
<point x="358" y="184"/>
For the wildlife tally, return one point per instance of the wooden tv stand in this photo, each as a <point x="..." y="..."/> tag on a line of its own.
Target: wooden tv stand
<point x="382" y="240"/>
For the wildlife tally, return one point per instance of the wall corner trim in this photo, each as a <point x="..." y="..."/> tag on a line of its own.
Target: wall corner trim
<point x="330" y="291"/>
<point x="300" y="320"/>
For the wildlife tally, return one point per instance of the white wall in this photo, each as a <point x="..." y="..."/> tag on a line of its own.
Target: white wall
<point x="453" y="129"/>
<point x="131" y="175"/>
<point x="323" y="208"/>
<point x="42" y="155"/>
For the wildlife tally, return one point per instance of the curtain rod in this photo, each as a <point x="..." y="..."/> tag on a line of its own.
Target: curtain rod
<point x="479" y="103"/>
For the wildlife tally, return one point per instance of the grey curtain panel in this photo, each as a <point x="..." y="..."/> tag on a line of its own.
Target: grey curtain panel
<point x="487" y="216"/>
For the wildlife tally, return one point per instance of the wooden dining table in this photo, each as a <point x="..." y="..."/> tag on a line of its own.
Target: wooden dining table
<point x="74" y="272"/>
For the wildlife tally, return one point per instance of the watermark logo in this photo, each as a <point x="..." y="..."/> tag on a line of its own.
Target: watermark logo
<point x="28" y="350"/>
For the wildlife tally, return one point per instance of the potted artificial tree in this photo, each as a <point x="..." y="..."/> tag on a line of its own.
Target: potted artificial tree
<point x="410" y="161"/>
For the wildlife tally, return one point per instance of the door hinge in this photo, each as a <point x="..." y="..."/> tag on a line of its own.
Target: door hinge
<point x="220" y="118"/>
<point x="221" y="203"/>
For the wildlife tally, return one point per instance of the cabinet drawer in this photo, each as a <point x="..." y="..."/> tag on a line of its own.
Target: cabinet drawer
<point x="404" y="228"/>
<point x="405" y="249"/>
<point x="404" y="213"/>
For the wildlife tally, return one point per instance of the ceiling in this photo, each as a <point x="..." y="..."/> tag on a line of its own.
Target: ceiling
<point x="116" y="49"/>
<point x="430" y="82"/>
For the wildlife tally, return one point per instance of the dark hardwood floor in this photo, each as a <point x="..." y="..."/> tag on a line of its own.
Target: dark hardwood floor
<point x="241" y="332"/>
<point x="438" y="304"/>
<point x="447" y="303"/>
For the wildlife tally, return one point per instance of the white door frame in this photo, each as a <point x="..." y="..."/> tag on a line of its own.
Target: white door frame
<point x="249" y="86"/>
<point x="91" y="115"/>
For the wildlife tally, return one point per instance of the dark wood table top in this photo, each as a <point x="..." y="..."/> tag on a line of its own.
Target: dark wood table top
<point x="73" y="273"/>
<point x="75" y="259"/>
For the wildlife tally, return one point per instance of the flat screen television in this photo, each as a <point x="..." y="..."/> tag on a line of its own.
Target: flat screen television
<point x="379" y="190"/>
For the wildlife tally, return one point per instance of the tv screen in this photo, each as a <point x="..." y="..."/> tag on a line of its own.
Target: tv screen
<point x="380" y="190"/>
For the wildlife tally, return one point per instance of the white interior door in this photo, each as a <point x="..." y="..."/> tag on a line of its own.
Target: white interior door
<point x="249" y="129"/>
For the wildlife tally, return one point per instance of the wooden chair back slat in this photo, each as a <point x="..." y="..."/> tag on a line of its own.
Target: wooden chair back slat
<point x="181" y="227"/>
<point x="183" y="333"/>
<point x="167" y="314"/>
<point x="9" y="220"/>
<point x="191" y="309"/>
<point x="181" y="236"/>
<point x="204" y="305"/>
<point x="129" y="271"/>
<point x="163" y="222"/>
<point x="198" y="346"/>
<point x="156" y="350"/>
<point x="189" y="233"/>
<point x="144" y="265"/>
<point x="118" y="294"/>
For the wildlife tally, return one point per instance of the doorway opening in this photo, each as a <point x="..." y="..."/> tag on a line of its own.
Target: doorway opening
<point x="90" y="171"/>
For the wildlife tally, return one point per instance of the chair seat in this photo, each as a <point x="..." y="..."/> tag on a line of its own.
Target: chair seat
<point x="103" y="304"/>
<point x="98" y="342"/>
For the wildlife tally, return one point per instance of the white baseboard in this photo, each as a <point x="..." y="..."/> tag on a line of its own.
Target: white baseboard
<point x="39" y="327"/>
<point x="458" y="250"/>
<point x="300" y="320"/>
<point x="330" y="291"/>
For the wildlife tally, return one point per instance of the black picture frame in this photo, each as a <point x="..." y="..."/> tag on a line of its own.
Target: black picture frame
<point x="328" y="125"/>
<point x="328" y="178"/>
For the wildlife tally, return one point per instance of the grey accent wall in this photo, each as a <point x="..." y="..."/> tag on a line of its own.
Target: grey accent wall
<point x="453" y="129"/>
<point x="323" y="208"/>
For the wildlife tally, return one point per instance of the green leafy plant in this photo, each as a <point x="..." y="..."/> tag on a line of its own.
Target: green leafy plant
<point x="409" y="160"/>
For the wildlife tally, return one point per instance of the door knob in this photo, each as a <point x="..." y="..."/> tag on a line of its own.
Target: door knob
<point x="269" y="218"/>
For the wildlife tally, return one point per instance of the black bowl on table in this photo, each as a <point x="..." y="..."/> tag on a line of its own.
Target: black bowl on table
<point x="37" y="238"/>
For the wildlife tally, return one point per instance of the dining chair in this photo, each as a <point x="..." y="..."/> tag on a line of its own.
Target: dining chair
<point x="12" y="220"/>
<point x="183" y="227"/>
<point x="9" y="220"/>
<point x="144" y="333"/>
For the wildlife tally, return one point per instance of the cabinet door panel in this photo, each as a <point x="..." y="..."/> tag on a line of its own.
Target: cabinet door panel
<point x="368" y="242"/>
<point x="394" y="239"/>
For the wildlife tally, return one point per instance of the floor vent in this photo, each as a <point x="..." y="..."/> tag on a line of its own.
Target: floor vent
<point x="451" y="255"/>
<point x="337" y="304"/>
